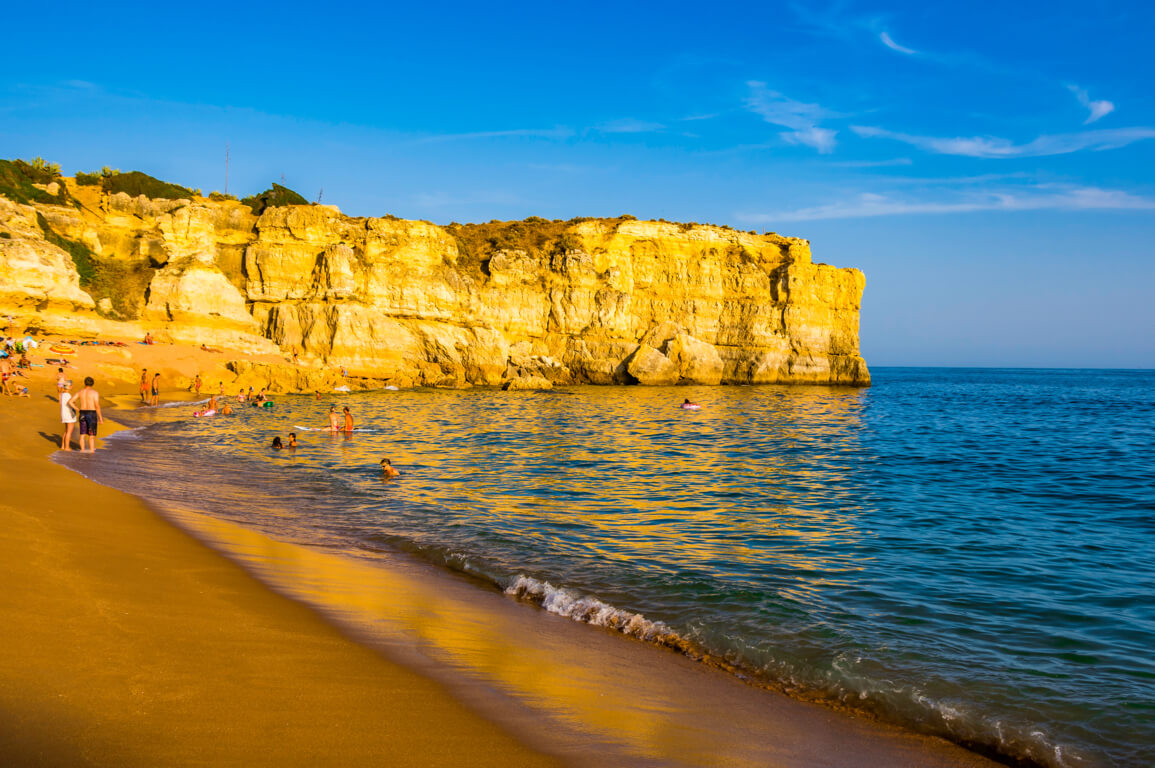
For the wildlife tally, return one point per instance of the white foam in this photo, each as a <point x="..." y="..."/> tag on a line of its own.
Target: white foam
<point x="588" y="610"/>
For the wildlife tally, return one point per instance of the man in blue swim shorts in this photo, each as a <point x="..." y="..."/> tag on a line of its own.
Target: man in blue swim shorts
<point x="87" y="402"/>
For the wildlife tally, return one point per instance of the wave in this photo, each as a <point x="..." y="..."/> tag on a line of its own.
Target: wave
<point x="590" y="610"/>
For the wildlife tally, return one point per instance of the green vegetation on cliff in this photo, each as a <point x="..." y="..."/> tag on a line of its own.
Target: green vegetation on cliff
<point x="17" y="180"/>
<point x="125" y="285"/>
<point x="135" y="183"/>
<point x="273" y="197"/>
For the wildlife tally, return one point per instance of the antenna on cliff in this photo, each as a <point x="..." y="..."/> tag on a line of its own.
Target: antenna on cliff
<point x="226" y="167"/>
<point x="320" y="194"/>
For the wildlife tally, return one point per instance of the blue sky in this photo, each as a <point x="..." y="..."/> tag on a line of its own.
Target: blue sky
<point x="987" y="165"/>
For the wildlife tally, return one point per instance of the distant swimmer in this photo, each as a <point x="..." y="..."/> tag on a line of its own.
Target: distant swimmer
<point x="277" y="445"/>
<point x="387" y="470"/>
<point x="334" y="419"/>
<point x="292" y="440"/>
<point x="348" y="420"/>
<point x="226" y="410"/>
<point x="687" y="405"/>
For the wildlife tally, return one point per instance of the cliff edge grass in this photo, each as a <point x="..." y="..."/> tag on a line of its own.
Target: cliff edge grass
<point x="525" y="304"/>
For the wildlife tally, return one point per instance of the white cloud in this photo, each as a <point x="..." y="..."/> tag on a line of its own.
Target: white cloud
<point x="1031" y="198"/>
<point x="889" y="43"/>
<point x="532" y="133"/>
<point x="1098" y="109"/>
<point x="995" y="147"/>
<point x="802" y="119"/>
<point x="630" y="125"/>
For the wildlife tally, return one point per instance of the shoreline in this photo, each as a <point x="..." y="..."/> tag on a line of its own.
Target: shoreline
<point x="783" y="735"/>
<point x="130" y="643"/>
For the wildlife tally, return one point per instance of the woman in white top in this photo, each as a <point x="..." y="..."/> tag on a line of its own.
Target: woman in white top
<point x="67" y="414"/>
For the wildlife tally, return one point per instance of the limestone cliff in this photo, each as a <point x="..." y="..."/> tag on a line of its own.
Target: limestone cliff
<point x="408" y="302"/>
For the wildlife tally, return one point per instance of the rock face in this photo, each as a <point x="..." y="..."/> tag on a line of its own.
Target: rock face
<point x="407" y="302"/>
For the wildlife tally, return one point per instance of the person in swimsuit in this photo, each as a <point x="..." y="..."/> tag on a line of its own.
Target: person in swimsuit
<point x="387" y="470"/>
<point x="292" y="440"/>
<point x="155" y="389"/>
<point x="6" y="376"/>
<point x="88" y="403"/>
<point x="68" y="414"/>
<point x="348" y="420"/>
<point x="197" y="385"/>
<point x="144" y="385"/>
<point x="334" y="419"/>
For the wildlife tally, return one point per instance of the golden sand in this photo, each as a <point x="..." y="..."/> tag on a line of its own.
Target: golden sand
<point x="126" y="643"/>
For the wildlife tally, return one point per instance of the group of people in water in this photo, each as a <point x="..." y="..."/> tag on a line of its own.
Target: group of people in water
<point x="339" y="422"/>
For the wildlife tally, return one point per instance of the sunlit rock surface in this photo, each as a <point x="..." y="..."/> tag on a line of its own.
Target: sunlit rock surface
<point x="410" y="303"/>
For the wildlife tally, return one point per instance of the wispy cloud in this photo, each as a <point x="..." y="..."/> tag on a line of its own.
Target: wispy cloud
<point x="995" y="147"/>
<point x="1033" y="198"/>
<point x="630" y="125"/>
<point x="559" y="132"/>
<point x="874" y="163"/>
<point x="1097" y="109"/>
<point x="802" y="119"/>
<point x="886" y="39"/>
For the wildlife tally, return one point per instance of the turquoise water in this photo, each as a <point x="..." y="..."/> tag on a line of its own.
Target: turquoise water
<point x="966" y="552"/>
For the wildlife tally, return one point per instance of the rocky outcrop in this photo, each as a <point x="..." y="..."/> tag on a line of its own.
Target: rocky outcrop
<point x="407" y="302"/>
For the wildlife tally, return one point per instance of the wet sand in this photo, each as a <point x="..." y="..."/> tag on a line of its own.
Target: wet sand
<point x="128" y="642"/>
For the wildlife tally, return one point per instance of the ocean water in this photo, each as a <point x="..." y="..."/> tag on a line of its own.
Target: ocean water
<point x="965" y="552"/>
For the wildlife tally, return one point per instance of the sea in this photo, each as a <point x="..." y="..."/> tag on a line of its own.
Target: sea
<point x="968" y="553"/>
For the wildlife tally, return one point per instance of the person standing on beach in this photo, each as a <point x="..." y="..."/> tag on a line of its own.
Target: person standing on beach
<point x="144" y="385"/>
<point x="60" y="381"/>
<point x="6" y="375"/>
<point x="68" y="414"/>
<point x="88" y="403"/>
<point x="348" y="421"/>
<point x="197" y="385"/>
<point x="155" y="389"/>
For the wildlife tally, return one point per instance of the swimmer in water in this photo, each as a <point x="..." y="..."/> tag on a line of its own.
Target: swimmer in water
<point x="686" y="404"/>
<point x="226" y="410"/>
<point x="292" y="440"/>
<point x="334" y="419"/>
<point x="388" y="472"/>
<point x="277" y="443"/>
<point x="348" y="420"/>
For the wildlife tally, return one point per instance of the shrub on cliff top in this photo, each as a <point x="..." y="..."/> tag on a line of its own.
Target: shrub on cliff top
<point x="135" y="183"/>
<point x="88" y="179"/>
<point x="18" y="177"/>
<point x="273" y="197"/>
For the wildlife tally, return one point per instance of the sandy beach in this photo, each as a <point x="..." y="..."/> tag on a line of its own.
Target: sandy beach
<point x="130" y="642"/>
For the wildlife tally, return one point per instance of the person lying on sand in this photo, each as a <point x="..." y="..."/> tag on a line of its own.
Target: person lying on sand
<point x="388" y="472"/>
<point x="208" y="349"/>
